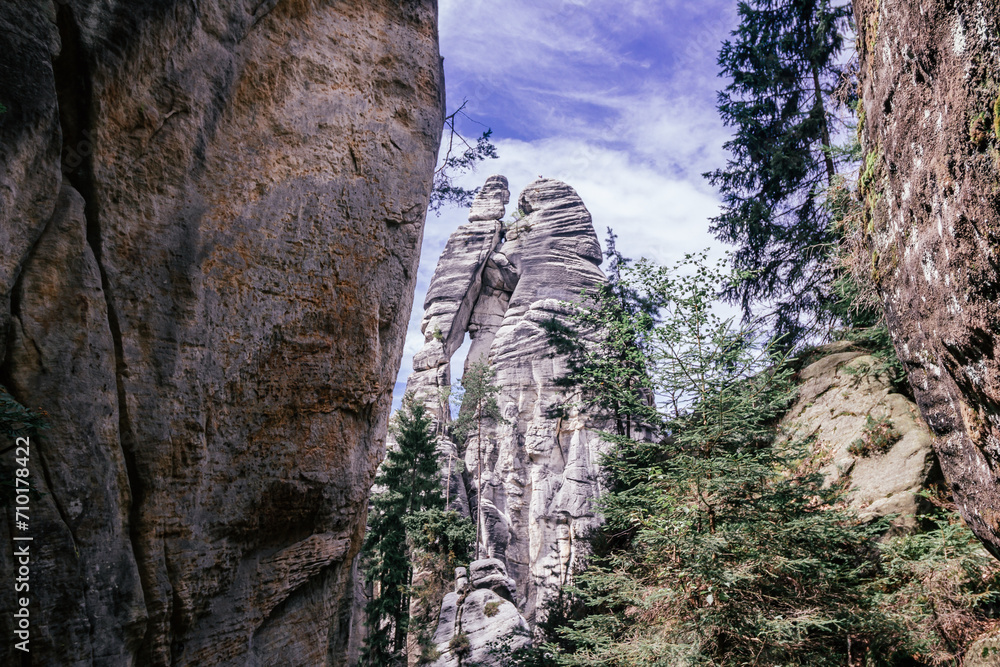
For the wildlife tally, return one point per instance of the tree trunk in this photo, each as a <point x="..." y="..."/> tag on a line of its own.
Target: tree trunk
<point x="830" y="167"/>
<point x="479" y="481"/>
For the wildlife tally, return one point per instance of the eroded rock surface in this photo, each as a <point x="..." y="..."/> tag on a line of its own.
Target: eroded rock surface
<point x="837" y="395"/>
<point x="931" y="106"/>
<point x="478" y="620"/>
<point x="210" y="216"/>
<point x="500" y="282"/>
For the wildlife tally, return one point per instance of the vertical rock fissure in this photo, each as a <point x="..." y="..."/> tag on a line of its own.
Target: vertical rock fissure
<point x="73" y="91"/>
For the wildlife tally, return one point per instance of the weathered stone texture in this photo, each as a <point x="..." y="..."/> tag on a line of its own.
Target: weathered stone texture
<point x="837" y="393"/>
<point x="480" y="609"/>
<point x="929" y="73"/>
<point x="500" y="282"/>
<point x="207" y="291"/>
<point x="540" y="474"/>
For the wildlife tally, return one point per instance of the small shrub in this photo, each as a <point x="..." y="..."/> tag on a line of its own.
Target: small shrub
<point x="460" y="644"/>
<point x="491" y="609"/>
<point x="17" y="420"/>
<point x="979" y="130"/>
<point x="878" y="437"/>
<point x="429" y="654"/>
<point x="941" y="585"/>
<point x="996" y="119"/>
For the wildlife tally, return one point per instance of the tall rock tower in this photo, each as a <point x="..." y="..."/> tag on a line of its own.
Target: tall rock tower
<point x="500" y="282"/>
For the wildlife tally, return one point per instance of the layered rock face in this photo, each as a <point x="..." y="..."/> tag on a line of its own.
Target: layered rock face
<point x="931" y="105"/>
<point x="540" y="474"/>
<point x="210" y="215"/>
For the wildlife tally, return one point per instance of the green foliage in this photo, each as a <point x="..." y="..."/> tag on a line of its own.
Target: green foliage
<point x="478" y="399"/>
<point x="406" y="522"/>
<point x="610" y="374"/>
<point x="856" y="302"/>
<point x="877" y="437"/>
<point x="996" y="119"/>
<point x="717" y="548"/>
<point x="439" y="542"/>
<point x="443" y="534"/>
<point x="941" y="585"/>
<point x="978" y="130"/>
<point x="3" y="108"/>
<point x="460" y="644"/>
<point x="15" y="419"/>
<point x="783" y="62"/>
<point x="491" y="609"/>
<point x="460" y="157"/>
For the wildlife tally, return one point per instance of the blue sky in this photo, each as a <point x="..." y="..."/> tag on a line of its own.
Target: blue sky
<point x="615" y="97"/>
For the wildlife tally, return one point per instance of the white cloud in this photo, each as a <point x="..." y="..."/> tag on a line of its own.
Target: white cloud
<point x="614" y="97"/>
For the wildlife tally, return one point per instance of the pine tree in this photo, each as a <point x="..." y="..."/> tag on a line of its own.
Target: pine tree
<point x="460" y="157"/>
<point x="783" y="62"/>
<point x="409" y="498"/>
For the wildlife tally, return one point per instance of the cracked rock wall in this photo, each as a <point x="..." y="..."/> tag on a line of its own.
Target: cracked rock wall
<point x="931" y="132"/>
<point x="210" y="216"/>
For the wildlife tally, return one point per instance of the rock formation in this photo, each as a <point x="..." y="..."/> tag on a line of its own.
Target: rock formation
<point x="499" y="282"/>
<point x="837" y="394"/>
<point x="931" y="134"/>
<point x="478" y="616"/>
<point x="210" y="216"/>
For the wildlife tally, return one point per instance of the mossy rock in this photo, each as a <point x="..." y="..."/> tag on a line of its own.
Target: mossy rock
<point x="984" y="652"/>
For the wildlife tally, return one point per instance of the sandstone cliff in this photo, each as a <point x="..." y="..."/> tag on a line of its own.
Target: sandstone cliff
<point x="499" y="282"/>
<point x="931" y="132"/>
<point x="210" y="216"/>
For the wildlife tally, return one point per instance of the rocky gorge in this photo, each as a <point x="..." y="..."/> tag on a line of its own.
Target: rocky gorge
<point x="211" y="215"/>
<point x="541" y="478"/>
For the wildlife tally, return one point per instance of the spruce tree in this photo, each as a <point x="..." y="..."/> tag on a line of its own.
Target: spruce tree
<point x="718" y="546"/>
<point x="408" y="486"/>
<point x="478" y="404"/>
<point x="606" y="350"/>
<point x="783" y="62"/>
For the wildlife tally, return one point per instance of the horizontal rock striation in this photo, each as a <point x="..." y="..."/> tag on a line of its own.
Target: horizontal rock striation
<point x="210" y="215"/>
<point x="541" y="473"/>
<point x="478" y="619"/>
<point x="931" y="133"/>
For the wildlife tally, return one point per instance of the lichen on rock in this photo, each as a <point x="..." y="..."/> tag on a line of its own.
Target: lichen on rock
<point x="928" y="71"/>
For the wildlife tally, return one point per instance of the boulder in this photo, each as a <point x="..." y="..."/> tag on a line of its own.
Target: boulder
<point x="838" y="393"/>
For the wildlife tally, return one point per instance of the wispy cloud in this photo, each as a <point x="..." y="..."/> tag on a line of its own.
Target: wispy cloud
<point x="614" y="97"/>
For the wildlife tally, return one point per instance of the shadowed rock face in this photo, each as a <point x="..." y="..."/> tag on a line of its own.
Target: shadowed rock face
<point x="210" y="220"/>
<point x="929" y="73"/>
